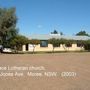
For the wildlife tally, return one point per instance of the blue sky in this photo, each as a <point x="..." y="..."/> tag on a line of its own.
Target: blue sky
<point x="43" y="16"/>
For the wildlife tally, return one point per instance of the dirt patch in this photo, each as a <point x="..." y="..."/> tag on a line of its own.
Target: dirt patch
<point x="58" y="66"/>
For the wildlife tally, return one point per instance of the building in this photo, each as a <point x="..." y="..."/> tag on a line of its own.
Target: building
<point x="45" y="46"/>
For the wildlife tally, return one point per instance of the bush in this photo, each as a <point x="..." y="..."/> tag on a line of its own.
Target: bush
<point x="87" y="45"/>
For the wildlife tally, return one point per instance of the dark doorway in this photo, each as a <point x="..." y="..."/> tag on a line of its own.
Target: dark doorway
<point x="26" y="47"/>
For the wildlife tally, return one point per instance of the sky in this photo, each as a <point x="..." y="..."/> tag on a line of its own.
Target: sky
<point x="45" y="16"/>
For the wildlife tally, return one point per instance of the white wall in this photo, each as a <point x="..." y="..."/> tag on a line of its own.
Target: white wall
<point x="50" y="48"/>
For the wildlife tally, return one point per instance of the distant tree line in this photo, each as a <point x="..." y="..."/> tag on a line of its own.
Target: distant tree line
<point x="81" y="33"/>
<point x="68" y="43"/>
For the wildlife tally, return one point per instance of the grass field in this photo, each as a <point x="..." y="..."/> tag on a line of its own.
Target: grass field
<point x="78" y="63"/>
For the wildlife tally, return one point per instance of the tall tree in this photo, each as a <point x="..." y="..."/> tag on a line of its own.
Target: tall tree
<point x="8" y="20"/>
<point x="54" y="32"/>
<point x="82" y="33"/>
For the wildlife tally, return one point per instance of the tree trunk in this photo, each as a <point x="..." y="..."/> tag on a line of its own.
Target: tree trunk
<point x="53" y="49"/>
<point x="33" y="49"/>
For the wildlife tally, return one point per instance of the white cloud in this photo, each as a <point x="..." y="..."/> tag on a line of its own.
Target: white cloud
<point x="39" y="26"/>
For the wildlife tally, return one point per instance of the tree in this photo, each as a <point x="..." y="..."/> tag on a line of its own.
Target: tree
<point x="54" y="32"/>
<point x="8" y="22"/>
<point x="87" y="45"/>
<point x="34" y="42"/>
<point x="80" y="42"/>
<point x="54" y="42"/>
<point x="82" y="33"/>
<point x="61" y="33"/>
<point x="17" y="42"/>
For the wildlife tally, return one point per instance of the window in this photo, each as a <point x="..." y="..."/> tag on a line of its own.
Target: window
<point x="44" y="43"/>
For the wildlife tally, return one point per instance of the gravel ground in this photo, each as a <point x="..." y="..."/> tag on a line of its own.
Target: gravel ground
<point x="61" y="71"/>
